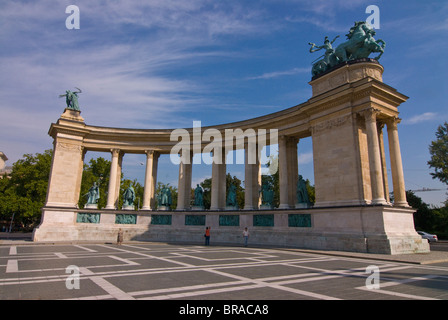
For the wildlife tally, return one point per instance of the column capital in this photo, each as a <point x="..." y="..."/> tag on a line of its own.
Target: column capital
<point x="370" y="114"/>
<point x="116" y="152"/>
<point x="392" y="122"/>
<point x="150" y="152"/>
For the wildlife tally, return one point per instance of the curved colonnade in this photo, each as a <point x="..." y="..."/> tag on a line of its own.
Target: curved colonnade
<point x="345" y="119"/>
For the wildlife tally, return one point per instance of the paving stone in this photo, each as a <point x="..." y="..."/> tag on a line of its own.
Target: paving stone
<point x="157" y="271"/>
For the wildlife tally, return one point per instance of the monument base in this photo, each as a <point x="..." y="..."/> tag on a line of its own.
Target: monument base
<point x="73" y="115"/>
<point x="369" y="229"/>
<point x="91" y="206"/>
<point x="127" y="207"/>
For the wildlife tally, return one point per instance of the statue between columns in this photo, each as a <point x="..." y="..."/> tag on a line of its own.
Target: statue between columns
<point x="165" y="199"/>
<point x="302" y="197"/>
<point x="128" y="198"/>
<point x="231" y="203"/>
<point x="93" y="196"/>
<point x="267" y="196"/>
<point x="198" y="198"/>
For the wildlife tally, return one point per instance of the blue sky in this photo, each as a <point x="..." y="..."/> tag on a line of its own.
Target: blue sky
<point x="164" y="64"/>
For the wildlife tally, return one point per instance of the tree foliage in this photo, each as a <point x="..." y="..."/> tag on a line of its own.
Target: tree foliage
<point x="97" y="170"/>
<point x="439" y="154"/>
<point x="432" y="220"/>
<point x="274" y="181"/>
<point x="24" y="192"/>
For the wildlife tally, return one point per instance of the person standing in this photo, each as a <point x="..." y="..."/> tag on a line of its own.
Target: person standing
<point x="120" y="237"/>
<point x="245" y="236"/>
<point x="207" y="236"/>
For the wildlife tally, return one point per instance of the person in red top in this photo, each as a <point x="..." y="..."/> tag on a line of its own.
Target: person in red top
<point x="207" y="236"/>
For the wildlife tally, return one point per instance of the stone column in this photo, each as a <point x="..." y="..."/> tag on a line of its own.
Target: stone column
<point x="222" y="183"/>
<point x="252" y="177"/>
<point x="376" y="174"/>
<point x="293" y="170"/>
<point x="256" y="188"/>
<point x="396" y="164"/>
<point x="150" y="179"/>
<point x="383" y="162"/>
<point x="118" y="181"/>
<point x="113" y="179"/>
<point x="218" y="192"/>
<point x="214" y="201"/>
<point x="184" y="185"/>
<point x="248" y="181"/>
<point x="283" y="172"/>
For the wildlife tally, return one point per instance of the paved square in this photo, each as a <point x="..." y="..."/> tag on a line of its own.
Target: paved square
<point x="159" y="271"/>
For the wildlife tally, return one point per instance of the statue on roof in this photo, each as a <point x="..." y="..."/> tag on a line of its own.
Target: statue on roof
<point x="71" y="98"/>
<point x="360" y="44"/>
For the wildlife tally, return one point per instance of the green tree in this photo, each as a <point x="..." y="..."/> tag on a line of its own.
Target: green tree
<point x="207" y="186"/>
<point x="207" y="195"/>
<point x="432" y="220"/>
<point x="439" y="154"/>
<point x="424" y="219"/>
<point x="97" y="170"/>
<point x="441" y="222"/>
<point x="311" y="191"/>
<point x="239" y="189"/>
<point x="24" y="193"/>
<point x="274" y="180"/>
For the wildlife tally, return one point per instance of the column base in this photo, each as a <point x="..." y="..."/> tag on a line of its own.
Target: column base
<point x="381" y="201"/>
<point x="402" y="204"/>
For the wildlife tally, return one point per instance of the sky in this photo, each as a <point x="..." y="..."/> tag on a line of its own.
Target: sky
<point x="167" y="63"/>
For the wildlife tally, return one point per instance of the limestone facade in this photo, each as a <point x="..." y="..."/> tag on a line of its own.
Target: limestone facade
<point x="345" y="118"/>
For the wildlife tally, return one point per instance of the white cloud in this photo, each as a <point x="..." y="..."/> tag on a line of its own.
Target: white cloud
<point x="305" y="158"/>
<point x="427" y="116"/>
<point x="276" y="74"/>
